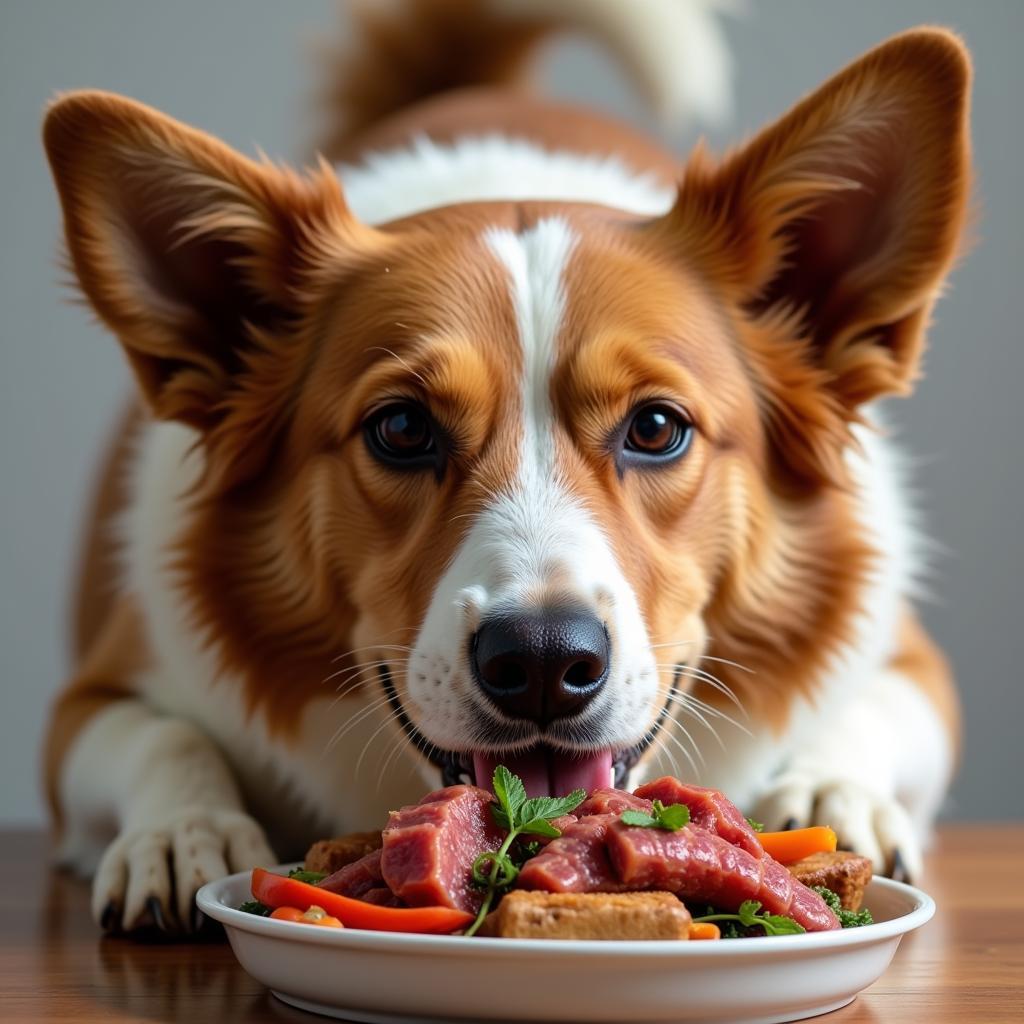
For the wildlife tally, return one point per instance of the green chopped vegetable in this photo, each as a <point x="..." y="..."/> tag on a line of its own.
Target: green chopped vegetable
<point x="671" y="818"/>
<point x="312" y="877"/>
<point x="255" y="907"/>
<point x="749" y="916"/>
<point x="757" y="826"/>
<point x="847" y="918"/>
<point x="494" y="870"/>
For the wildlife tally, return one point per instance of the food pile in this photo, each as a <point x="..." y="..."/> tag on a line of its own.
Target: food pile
<point x="668" y="861"/>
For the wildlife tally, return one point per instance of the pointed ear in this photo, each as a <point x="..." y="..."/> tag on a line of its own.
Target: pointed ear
<point x="194" y="255"/>
<point x="843" y="217"/>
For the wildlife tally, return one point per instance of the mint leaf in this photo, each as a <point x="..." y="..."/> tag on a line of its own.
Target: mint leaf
<point x="749" y="916"/>
<point x="540" y="827"/>
<point x="748" y="912"/>
<point x="779" y="924"/>
<point x="639" y="818"/>
<point x="551" y="806"/>
<point x="673" y="817"/>
<point x="500" y="817"/>
<point x="510" y="791"/>
<point x="757" y="826"/>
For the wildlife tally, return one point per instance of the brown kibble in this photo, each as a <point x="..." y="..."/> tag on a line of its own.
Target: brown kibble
<point x="592" y="915"/>
<point x="846" y="874"/>
<point x="328" y="855"/>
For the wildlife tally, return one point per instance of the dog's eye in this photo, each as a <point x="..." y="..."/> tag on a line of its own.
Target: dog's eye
<point x="657" y="432"/>
<point x="402" y="433"/>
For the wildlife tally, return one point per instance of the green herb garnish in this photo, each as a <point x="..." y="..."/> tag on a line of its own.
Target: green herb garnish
<point x="847" y="918"/>
<point x="494" y="869"/>
<point x="310" y="877"/>
<point x="748" y="916"/>
<point x="255" y="907"/>
<point x="757" y="826"/>
<point x="671" y="818"/>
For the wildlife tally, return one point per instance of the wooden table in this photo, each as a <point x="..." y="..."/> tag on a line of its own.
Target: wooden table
<point x="966" y="966"/>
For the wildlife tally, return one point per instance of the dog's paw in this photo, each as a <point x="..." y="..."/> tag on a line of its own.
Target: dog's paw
<point x="875" y="827"/>
<point x="148" y="877"/>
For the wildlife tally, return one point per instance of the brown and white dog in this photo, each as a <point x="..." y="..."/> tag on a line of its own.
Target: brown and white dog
<point x="511" y="440"/>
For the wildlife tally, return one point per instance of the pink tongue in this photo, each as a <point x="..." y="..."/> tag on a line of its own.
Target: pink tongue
<point x="548" y="772"/>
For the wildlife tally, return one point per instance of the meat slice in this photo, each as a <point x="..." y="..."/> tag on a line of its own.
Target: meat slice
<point x="698" y="865"/>
<point x="575" y="862"/>
<point x="708" y="808"/>
<point x="611" y="801"/>
<point x="429" y="847"/>
<point x="356" y="879"/>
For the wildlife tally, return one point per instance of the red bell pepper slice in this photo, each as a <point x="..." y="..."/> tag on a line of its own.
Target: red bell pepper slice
<point x="278" y="891"/>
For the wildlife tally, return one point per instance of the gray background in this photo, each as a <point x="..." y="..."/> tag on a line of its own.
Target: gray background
<point x="242" y="69"/>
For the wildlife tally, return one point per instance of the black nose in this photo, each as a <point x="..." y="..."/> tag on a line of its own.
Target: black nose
<point x="541" y="665"/>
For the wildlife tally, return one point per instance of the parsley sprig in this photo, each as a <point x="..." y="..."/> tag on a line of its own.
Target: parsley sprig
<point x="748" y="916"/>
<point x="847" y="918"/>
<point x="494" y="869"/>
<point x="671" y="818"/>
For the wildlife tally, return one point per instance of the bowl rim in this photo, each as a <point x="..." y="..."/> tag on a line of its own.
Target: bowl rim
<point x="212" y="900"/>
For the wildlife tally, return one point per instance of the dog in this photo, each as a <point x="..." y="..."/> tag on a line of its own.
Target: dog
<point x="515" y="440"/>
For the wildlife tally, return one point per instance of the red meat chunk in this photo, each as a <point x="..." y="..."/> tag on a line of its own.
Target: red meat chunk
<point x="708" y="808"/>
<point x="429" y="847"/>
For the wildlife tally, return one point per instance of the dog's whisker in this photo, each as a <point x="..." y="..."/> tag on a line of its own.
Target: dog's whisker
<point x="727" y="661"/>
<point x="699" y="705"/>
<point x="693" y="743"/>
<point x="401" y="361"/>
<point x="371" y="647"/>
<point x="351" y="723"/>
<point x="689" y="709"/>
<point x="666" y="734"/>
<point x="396" y="748"/>
<point x="393" y="717"/>
<point x="712" y="681"/>
<point x="362" y="667"/>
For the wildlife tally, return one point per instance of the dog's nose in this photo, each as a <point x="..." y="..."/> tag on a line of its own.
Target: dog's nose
<point x="541" y="665"/>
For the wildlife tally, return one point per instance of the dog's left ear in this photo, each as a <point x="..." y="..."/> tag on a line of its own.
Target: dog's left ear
<point x="844" y="216"/>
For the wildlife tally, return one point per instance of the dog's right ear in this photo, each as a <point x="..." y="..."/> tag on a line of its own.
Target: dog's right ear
<point x="197" y="257"/>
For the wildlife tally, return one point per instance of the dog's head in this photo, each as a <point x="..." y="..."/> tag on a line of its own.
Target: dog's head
<point x="522" y="460"/>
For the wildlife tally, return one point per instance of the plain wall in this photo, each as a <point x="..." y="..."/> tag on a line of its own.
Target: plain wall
<point x="242" y="69"/>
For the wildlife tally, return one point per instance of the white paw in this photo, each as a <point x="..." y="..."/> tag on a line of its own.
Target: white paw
<point x="876" y="827"/>
<point x="149" y="876"/>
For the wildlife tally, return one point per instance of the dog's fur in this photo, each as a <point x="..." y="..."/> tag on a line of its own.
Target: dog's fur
<point x="530" y="273"/>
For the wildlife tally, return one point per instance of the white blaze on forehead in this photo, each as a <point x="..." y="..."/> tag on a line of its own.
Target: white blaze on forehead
<point x="536" y="260"/>
<point x="526" y="533"/>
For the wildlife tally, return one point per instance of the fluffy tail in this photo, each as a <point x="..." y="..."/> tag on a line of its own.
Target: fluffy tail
<point x="399" y="53"/>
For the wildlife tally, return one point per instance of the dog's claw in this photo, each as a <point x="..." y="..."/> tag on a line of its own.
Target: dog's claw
<point x="898" y="868"/>
<point x="156" y="911"/>
<point x="108" y="919"/>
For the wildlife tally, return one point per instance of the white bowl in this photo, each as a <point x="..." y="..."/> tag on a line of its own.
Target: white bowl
<point x="382" y="976"/>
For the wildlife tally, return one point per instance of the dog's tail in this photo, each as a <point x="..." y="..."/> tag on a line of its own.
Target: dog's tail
<point x="398" y="53"/>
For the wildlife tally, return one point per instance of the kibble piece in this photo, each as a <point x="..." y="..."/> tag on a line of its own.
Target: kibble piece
<point x="593" y="915"/>
<point x="328" y="855"/>
<point x="846" y="874"/>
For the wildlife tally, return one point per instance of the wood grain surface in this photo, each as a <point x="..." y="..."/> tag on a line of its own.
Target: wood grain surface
<point x="967" y="965"/>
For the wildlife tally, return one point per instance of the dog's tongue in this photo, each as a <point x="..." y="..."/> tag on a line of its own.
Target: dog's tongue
<point x="547" y="772"/>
